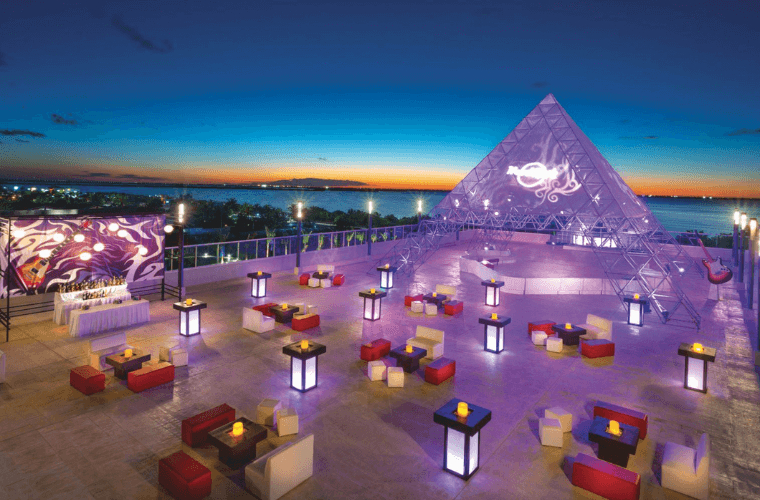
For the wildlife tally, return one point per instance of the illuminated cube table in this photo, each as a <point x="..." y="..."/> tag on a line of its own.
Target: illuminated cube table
<point x="304" y="367"/>
<point x="492" y="291"/>
<point x="372" y="304"/>
<point x="493" y="334"/>
<point x="461" y="442"/>
<point x="189" y="317"/>
<point x="636" y="310"/>
<point x="259" y="284"/>
<point x="386" y="276"/>
<point x="695" y="371"/>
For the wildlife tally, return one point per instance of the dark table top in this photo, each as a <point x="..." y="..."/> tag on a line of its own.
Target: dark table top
<point x="439" y="297"/>
<point x="497" y="284"/>
<point x="379" y="294"/>
<point x="707" y="354"/>
<point x="196" y="305"/>
<point x="627" y="441"/>
<point x="575" y="330"/>
<point x="321" y="275"/>
<point x="501" y="321"/>
<point x="222" y="436"/>
<point x="256" y="275"/>
<point x="137" y="357"/>
<point x="471" y="424"/>
<point x="390" y="269"/>
<point x="400" y="353"/>
<point x="295" y="350"/>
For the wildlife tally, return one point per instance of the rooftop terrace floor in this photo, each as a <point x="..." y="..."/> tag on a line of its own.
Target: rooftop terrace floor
<point x="372" y="441"/>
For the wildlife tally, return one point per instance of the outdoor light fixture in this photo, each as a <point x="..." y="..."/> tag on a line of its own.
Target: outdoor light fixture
<point x="189" y="316"/>
<point x="419" y="206"/>
<point x="259" y="284"/>
<point x="113" y="226"/>
<point x="461" y="441"/>
<point x="372" y="303"/>
<point x="299" y="214"/>
<point x="168" y="228"/>
<point x="695" y="372"/>
<point x="743" y="225"/>
<point x="85" y="255"/>
<point x="493" y="332"/>
<point x="737" y="218"/>
<point x="743" y="220"/>
<point x="304" y="367"/>
<point x="492" y="291"/>
<point x="386" y="276"/>
<point x="181" y="213"/>
<point x="98" y="247"/>
<point x="752" y="242"/>
<point x="635" y="309"/>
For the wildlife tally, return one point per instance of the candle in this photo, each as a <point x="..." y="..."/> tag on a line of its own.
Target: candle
<point x="304" y="344"/>
<point x="259" y="273"/>
<point x="409" y="348"/>
<point x="435" y="294"/>
<point x="128" y="353"/>
<point x="237" y="429"/>
<point x="568" y="326"/>
<point x="636" y="296"/>
<point x="493" y="280"/>
<point x="284" y="306"/>
<point x="387" y="266"/>
<point x="462" y="409"/>
<point x="614" y="427"/>
<point x="494" y="316"/>
<point x="697" y="347"/>
<point x="189" y="302"/>
<point x="371" y="290"/>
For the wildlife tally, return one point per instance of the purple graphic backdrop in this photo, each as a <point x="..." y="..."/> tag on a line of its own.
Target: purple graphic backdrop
<point x="136" y="254"/>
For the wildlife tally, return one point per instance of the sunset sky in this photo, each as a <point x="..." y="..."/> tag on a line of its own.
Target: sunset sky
<point x="398" y="94"/>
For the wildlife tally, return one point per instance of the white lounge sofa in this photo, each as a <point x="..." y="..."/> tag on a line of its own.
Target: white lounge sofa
<point x="429" y="339"/>
<point x="256" y="321"/>
<point x="447" y="290"/>
<point x="686" y="470"/>
<point x="597" y="328"/>
<point x="282" y="469"/>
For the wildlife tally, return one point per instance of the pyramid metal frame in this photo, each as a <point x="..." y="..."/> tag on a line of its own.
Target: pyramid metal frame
<point x="598" y="210"/>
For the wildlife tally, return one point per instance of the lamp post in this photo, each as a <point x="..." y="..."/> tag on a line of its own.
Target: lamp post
<point x="369" y="231"/>
<point x="419" y="212"/>
<point x="752" y="251"/>
<point x="299" y="215"/>
<point x="743" y="222"/>
<point x="737" y="216"/>
<point x="181" y="248"/>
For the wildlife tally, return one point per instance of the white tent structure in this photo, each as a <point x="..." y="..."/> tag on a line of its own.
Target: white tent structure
<point x="547" y="176"/>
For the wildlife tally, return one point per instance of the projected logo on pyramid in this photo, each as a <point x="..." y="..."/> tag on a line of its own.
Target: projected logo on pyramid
<point x="546" y="182"/>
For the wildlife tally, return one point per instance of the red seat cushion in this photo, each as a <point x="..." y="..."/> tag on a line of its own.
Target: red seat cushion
<point x="304" y="279"/>
<point x="624" y="415"/>
<point x="377" y="349"/>
<point x="411" y="298"/>
<point x="605" y="479"/>
<point x="264" y="308"/>
<point x="304" y="323"/>
<point x="196" y="428"/>
<point x="87" y="380"/>
<point x="440" y="370"/>
<point x="339" y="279"/>
<point x="150" y="376"/>
<point x="544" y="326"/>
<point x="453" y="307"/>
<point x="597" y="348"/>
<point x="184" y="477"/>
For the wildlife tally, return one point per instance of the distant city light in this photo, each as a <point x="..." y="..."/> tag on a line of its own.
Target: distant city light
<point x="15" y="188"/>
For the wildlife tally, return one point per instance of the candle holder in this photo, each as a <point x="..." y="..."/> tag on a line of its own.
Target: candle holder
<point x="461" y="441"/>
<point x="493" y="289"/>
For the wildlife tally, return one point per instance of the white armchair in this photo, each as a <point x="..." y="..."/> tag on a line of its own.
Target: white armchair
<point x="597" y="328"/>
<point x="282" y="469"/>
<point x="429" y="339"/>
<point x="686" y="470"/>
<point x="256" y="321"/>
<point x="447" y="290"/>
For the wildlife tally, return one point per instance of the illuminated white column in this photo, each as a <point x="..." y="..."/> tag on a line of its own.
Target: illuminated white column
<point x="189" y="316"/>
<point x="386" y="276"/>
<point x="259" y="284"/>
<point x="695" y="370"/>
<point x="461" y="454"/>
<point x="304" y="364"/>
<point x="493" y="332"/>
<point x="372" y="303"/>
<point x="635" y="310"/>
<point x="493" y="288"/>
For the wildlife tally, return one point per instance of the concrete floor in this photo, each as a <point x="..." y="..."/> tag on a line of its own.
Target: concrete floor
<point x="371" y="441"/>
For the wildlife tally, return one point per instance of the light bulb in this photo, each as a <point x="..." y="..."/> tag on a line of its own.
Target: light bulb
<point x="45" y="253"/>
<point x="98" y="247"/>
<point x="168" y="228"/>
<point x="122" y="233"/>
<point x="113" y="226"/>
<point x="85" y="255"/>
<point x="79" y="238"/>
<point x="18" y="233"/>
<point x="142" y="250"/>
<point x="58" y="237"/>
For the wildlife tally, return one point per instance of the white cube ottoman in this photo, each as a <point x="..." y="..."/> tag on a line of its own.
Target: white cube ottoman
<point x="287" y="422"/>
<point x="266" y="412"/>
<point x="312" y="309"/>
<point x="553" y="344"/>
<point x="314" y="282"/>
<point x="395" y="376"/>
<point x="565" y="417"/>
<point x="431" y="309"/>
<point x="301" y="307"/>
<point x="325" y="283"/>
<point x="538" y="337"/>
<point x="550" y="432"/>
<point x="376" y="370"/>
<point x="178" y="357"/>
<point x="417" y="306"/>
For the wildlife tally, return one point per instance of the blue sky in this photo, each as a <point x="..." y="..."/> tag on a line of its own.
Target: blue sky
<point x="235" y="91"/>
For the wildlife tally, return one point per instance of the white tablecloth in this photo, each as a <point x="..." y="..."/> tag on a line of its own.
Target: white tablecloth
<point x="63" y="308"/>
<point x="108" y="316"/>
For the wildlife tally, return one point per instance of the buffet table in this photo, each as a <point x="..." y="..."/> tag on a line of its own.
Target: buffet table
<point x="66" y="302"/>
<point x="108" y="316"/>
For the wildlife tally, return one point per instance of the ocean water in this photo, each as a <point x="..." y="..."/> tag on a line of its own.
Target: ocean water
<point x="712" y="216"/>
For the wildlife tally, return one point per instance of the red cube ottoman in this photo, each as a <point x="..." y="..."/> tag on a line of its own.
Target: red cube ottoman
<point x="304" y="279"/>
<point x="339" y="279"/>
<point x="605" y="479"/>
<point x="544" y="326"/>
<point x="597" y="348"/>
<point x="184" y="477"/>
<point x="624" y="415"/>
<point x="196" y="428"/>
<point x="304" y="322"/>
<point x="150" y="376"/>
<point x="87" y="380"/>
<point x="411" y="298"/>
<point x="264" y="308"/>
<point x="452" y="307"/>
<point x="375" y="350"/>
<point x="439" y="370"/>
